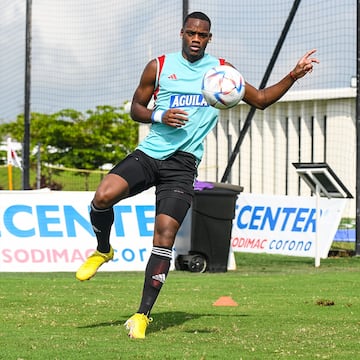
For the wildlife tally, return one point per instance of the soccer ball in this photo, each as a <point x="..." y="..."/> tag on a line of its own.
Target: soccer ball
<point x="223" y="87"/>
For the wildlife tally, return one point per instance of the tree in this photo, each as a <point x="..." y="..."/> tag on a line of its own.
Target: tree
<point x="78" y="140"/>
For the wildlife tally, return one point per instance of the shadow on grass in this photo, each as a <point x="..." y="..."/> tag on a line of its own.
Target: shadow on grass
<point x="164" y="320"/>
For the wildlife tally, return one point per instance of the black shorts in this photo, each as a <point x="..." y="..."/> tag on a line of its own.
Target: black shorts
<point x="173" y="179"/>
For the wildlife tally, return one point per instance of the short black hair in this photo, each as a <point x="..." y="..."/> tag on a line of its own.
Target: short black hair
<point x="197" y="15"/>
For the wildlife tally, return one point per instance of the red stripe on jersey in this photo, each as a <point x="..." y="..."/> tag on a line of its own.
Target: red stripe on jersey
<point x="161" y="60"/>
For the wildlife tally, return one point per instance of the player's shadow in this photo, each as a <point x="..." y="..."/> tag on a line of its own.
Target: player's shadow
<point x="164" y="320"/>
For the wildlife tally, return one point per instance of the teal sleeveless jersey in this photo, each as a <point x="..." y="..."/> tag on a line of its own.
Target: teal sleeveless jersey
<point x="179" y="86"/>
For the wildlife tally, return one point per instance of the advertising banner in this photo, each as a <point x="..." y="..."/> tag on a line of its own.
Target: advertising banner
<point x="51" y="231"/>
<point x="44" y="231"/>
<point x="285" y="225"/>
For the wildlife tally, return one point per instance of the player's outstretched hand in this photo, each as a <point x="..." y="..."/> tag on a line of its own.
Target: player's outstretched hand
<point x="305" y="64"/>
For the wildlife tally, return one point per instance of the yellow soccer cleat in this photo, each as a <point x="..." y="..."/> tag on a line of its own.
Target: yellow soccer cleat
<point x="91" y="265"/>
<point x="137" y="325"/>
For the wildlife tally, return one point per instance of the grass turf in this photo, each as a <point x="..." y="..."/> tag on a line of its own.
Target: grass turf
<point x="287" y="309"/>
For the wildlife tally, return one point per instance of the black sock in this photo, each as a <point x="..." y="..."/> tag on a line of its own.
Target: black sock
<point x="101" y="221"/>
<point x="156" y="272"/>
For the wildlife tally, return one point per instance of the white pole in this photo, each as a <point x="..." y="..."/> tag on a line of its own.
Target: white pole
<point x="38" y="167"/>
<point x="317" y="245"/>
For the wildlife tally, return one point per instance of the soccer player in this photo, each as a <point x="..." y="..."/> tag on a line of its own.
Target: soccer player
<point x="169" y="156"/>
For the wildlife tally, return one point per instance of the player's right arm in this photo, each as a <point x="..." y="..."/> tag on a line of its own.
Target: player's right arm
<point x="139" y="107"/>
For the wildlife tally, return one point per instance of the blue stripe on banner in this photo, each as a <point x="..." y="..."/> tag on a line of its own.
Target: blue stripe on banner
<point x="345" y="235"/>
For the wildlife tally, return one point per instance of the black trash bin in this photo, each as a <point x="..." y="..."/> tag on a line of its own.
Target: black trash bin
<point x="211" y="213"/>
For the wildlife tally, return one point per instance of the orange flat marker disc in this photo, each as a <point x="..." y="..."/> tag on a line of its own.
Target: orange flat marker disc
<point x="225" y="301"/>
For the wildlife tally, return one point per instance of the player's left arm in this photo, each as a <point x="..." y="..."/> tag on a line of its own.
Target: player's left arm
<point x="263" y="98"/>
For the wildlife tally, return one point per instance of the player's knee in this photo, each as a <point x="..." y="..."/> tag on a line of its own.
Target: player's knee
<point x="103" y="199"/>
<point x="165" y="232"/>
<point x="164" y="239"/>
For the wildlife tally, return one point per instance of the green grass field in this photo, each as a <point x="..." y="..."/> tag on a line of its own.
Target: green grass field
<point x="287" y="309"/>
